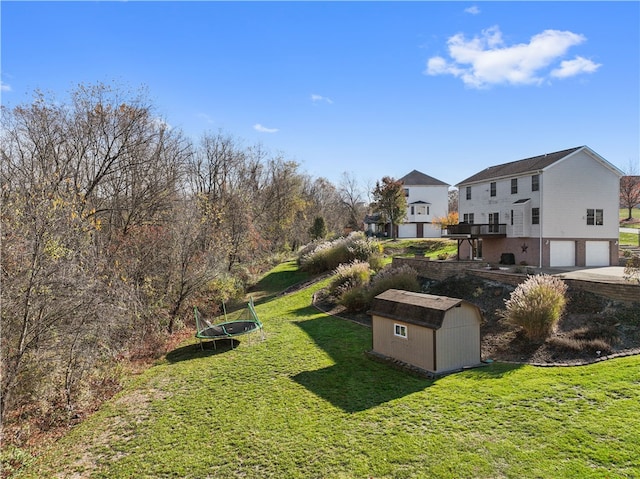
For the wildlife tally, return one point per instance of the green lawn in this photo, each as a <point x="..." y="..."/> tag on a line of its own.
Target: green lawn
<point x="308" y="403"/>
<point x="635" y="213"/>
<point x="629" y="239"/>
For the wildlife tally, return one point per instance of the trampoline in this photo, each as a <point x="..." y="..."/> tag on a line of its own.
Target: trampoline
<point x="248" y="322"/>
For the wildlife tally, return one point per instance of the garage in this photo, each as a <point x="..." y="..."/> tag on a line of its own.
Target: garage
<point x="562" y="253"/>
<point x="597" y="253"/>
<point x="407" y="230"/>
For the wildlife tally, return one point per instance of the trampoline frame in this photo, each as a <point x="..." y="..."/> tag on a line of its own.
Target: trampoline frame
<point x="227" y="329"/>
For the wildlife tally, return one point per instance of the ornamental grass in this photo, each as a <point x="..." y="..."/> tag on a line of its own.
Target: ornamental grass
<point x="536" y="305"/>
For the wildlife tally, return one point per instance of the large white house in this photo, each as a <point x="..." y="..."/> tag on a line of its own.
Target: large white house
<point x="554" y="210"/>
<point x="427" y="198"/>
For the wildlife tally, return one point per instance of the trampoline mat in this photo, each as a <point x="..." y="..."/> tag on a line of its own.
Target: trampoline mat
<point x="228" y="329"/>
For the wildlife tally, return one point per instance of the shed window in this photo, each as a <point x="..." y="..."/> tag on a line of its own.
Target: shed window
<point x="400" y="330"/>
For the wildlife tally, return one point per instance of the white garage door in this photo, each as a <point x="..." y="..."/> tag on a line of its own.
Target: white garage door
<point x="563" y="253"/>
<point x="407" y="230"/>
<point x="597" y="253"/>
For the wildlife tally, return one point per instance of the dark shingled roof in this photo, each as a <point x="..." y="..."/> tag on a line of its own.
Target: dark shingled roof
<point x="520" y="167"/>
<point x="416" y="178"/>
<point x="416" y="308"/>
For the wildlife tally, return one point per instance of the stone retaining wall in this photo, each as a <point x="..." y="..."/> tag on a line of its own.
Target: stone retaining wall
<point x="440" y="270"/>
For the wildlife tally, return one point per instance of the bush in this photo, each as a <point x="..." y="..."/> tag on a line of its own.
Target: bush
<point x="355" y="300"/>
<point x="349" y="276"/>
<point x="403" y="277"/>
<point x="360" y="298"/>
<point x="326" y="256"/>
<point x="632" y="269"/>
<point x="536" y="305"/>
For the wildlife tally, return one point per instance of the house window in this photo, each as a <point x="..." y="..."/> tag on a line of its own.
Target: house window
<point x="595" y="217"/>
<point x="400" y="330"/>
<point x="428" y="210"/>
<point x="514" y="186"/>
<point x="413" y="210"/>
<point x="467" y="218"/>
<point x="494" y="220"/>
<point x="493" y="188"/>
<point x="511" y="217"/>
<point x="406" y="192"/>
<point x="535" y="216"/>
<point x="535" y="182"/>
<point x="468" y="192"/>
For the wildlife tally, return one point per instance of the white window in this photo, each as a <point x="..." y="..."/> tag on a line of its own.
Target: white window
<point x="400" y="330"/>
<point x="595" y="217"/>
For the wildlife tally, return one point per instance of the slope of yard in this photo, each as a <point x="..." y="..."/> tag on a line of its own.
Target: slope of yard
<point x="307" y="403"/>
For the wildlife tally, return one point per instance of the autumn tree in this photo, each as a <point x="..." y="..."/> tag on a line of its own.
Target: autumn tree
<point x="390" y="201"/>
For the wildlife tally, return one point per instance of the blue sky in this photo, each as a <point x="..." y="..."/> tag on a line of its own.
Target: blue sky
<point x="370" y="88"/>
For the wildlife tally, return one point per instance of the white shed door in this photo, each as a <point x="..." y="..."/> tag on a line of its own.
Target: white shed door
<point x="597" y="253"/>
<point x="562" y="253"/>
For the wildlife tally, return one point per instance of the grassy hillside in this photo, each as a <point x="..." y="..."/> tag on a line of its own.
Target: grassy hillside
<point x="307" y="403"/>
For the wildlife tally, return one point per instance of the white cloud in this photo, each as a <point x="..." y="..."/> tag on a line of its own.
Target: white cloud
<point x="206" y="118"/>
<point x="485" y="60"/>
<point x="578" y="65"/>
<point x="474" y="10"/>
<point x="264" y="129"/>
<point x="316" y="98"/>
<point x="4" y="86"/>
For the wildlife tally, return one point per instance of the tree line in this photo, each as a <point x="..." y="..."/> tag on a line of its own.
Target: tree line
<point x="114" y="224"/>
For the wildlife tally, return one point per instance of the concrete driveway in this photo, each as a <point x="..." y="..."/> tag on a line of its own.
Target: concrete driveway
<point x="604" y="274"/>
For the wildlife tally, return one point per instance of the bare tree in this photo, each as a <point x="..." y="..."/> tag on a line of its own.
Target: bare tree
<point x="630" y="190"/>
<point x="352" y="200"/>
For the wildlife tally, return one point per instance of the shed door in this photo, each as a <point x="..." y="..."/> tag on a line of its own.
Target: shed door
<point x="562" y="253"/>
<point x="597" y="253"/>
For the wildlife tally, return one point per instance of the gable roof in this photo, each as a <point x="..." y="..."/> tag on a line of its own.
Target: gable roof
<point x="416" y="308"/>
<point x="520" y="167"/>
<point x="416" y="178"/>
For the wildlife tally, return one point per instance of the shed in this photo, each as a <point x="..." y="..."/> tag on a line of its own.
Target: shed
<point x="437" y="334"/>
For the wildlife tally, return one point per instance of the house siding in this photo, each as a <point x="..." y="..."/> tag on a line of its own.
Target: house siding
<point x="436" y="198"/>
<point x="567" y="188"/>
<point x="572" y="185"/>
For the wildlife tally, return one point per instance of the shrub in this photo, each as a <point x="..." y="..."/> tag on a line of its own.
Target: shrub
<point x="329" y="255"/>
<point x="536" y="305"/>
<point x="349" y="276"/>
<point x="403" y="277"/>
<point x="355" y="300"/>
<point x="632" y="269"/>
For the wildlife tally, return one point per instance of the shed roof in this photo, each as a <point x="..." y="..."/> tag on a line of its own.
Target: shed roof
<point x="417" y="308"/>
<point x="417" y="178"/>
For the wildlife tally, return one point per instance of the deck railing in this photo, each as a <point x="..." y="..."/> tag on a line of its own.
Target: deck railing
<point x="476" y="230"/>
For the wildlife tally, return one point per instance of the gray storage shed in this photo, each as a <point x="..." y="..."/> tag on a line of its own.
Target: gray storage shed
<point x="437" y="334"/>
